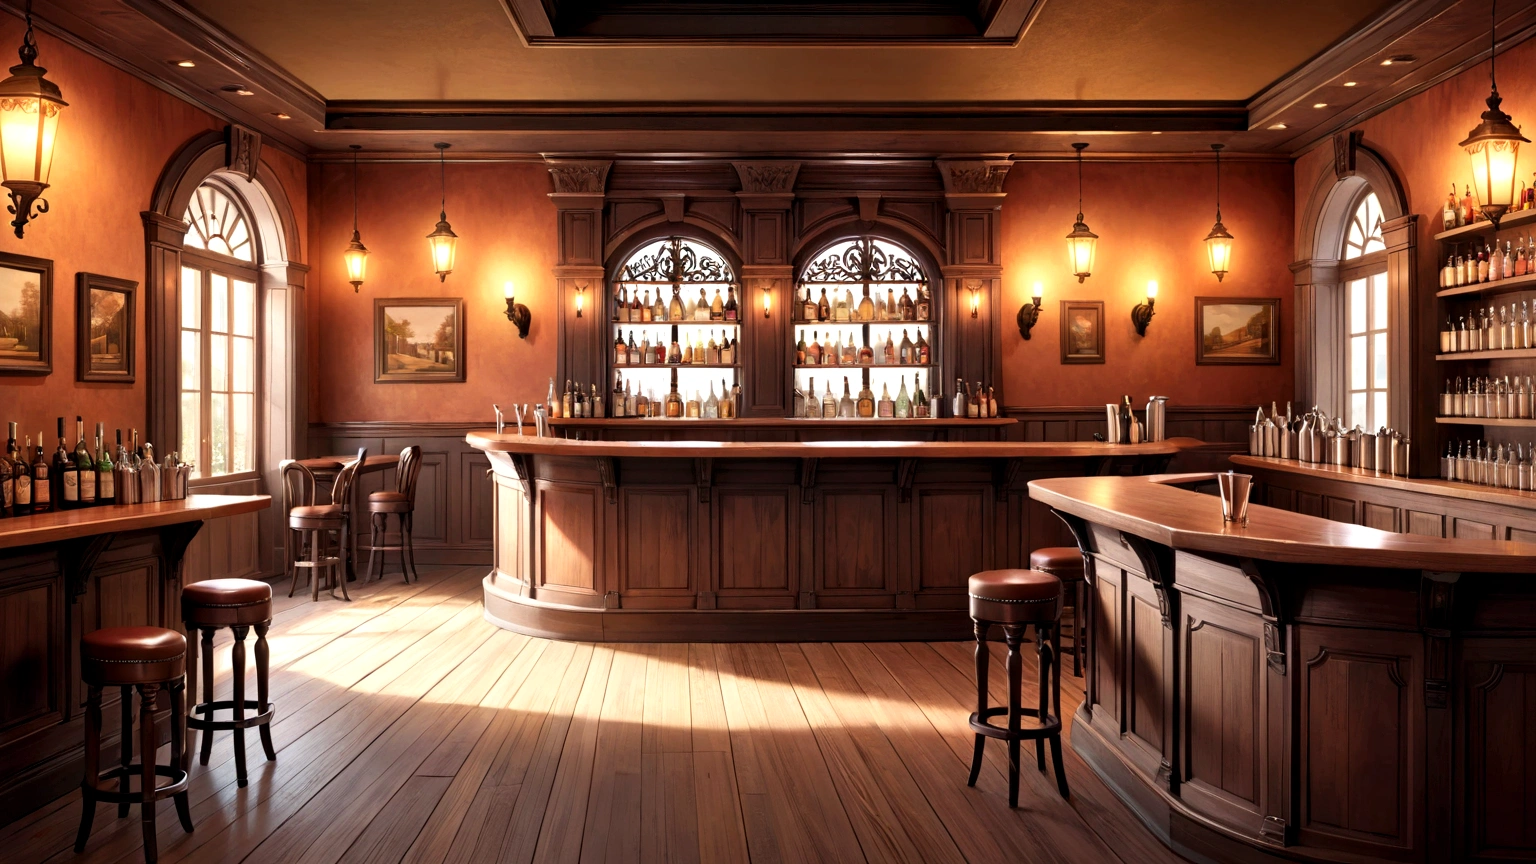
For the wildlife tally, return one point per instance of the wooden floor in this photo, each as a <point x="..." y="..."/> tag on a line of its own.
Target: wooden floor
<point x="408" y="729"/>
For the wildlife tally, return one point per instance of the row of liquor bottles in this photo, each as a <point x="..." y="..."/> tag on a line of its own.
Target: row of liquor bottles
<point x="974" y="403"/>
<point x="1489" y="264"/>
<point x="830" y="353"/>
<point x="82" y="476"/>
<point x="627" y="400"/>
<point x="633" y="309"/>
<point x="1489" y="398"/>
<point x="842" y="308"/>
<point x="1496" y="328"/>
<point x="1463" y="210"/>
<point x="720" y="349"/>
<point x="1501" y="466"/>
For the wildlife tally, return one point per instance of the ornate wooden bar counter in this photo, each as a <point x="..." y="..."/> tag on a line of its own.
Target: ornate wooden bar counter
<point x="711" y="540"/>
<point x="1301" y="689"/>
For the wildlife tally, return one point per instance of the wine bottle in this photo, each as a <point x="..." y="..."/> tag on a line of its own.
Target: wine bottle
<point x="621" y="349"/>
<point x="958" y="408"/>
<point x="732" y="311"/>
<point x="66" y="489"/>
<point x="823" y="308"/>
<point x="85" y="466"/>
<point x="808" y="308"/>
<point x="800" y="350"/>
<point x="42" y="490"/>
<point x="106" y="488"/>
<point x="18" y="476"/>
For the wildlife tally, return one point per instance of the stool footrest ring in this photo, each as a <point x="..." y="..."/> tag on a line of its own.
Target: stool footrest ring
<point x="112" y="795"/>
<point x="1048" y="727"/>
<point x="212" y="725"/>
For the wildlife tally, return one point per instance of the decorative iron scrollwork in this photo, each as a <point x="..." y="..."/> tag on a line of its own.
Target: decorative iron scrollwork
<point x="677" y="260"/>
<point x="864" y="260"/>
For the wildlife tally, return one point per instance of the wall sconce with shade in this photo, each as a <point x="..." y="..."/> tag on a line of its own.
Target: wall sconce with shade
<point x="517" y="313"/>
<point x="1493" y="146"/>
<point x="974" y="286"/>
<point x="1218" y="243"/>
<point x="29" y="123"/>
<point x="356" y="255"/>
<point x="1141" y="316"/>
<point x="1082" y="244"/>
<point x="1029" y="313"/>
<point x="443" y="241"/>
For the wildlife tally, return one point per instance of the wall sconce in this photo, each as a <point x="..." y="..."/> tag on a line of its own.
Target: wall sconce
<point x="768" y="296"/>
<point x="1141" y="316"/>
<point x="29" y="122"/>
<point x="1029" y="313"/>
<point x="974" y="286"/>
<point x="517" y="313"/>
<point x="581" y="296"/>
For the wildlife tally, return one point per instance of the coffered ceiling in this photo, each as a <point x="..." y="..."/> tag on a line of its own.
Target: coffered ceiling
<point x="789" y="76"/>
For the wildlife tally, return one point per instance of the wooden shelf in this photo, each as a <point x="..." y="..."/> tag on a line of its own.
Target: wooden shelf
<point x="1502" y="286"/>
<point x="799" y="323"/>
<point x="866" y="366"/>
<point x="1512" y="220"/>
<point x="1485" y="421"/>
<point x="689" y="323"/>
<point x="1502" y="354"/>
<point x="677" y="366"/>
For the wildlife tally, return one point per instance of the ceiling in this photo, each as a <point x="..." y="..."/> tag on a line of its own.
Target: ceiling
<point x="878" y="77"/>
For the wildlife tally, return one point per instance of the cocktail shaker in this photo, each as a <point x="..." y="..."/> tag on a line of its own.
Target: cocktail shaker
<point x="1235" y="489"/>
<point x="1157" y="418"/>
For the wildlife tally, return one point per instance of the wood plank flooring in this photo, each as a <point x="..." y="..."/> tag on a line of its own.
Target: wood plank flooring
<point x="410" y="730"/>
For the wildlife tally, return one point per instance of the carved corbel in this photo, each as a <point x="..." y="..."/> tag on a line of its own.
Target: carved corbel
<point x="79" y="559"/>
<point x="906" y="472"/>
<point x="974" y="176"/>
<point x="242" y="151"/>
<point x="1006" y="475"/>
<point x="1157" y="563"/>
<point x="704" y="477"/>
<point x="1272" y="609"/>
<point x="577" y="177"/>
<point x="807" y="479"/>
<point x="605" y="471"/>
<point x="524" y="474"/>
<point x="1437" y="608"/>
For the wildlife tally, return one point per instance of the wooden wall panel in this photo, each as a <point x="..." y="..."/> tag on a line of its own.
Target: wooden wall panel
<point x="29" y="619"/>
<point x="853" y="540"/>
<point x="1109" y="646"/>
<point x="951" y="534"/>
<point x="1146" y="673"/>
<point x="1471" y="529"/>
<point x="1426" y="524"/>
<point x="568" y="535"/>
<point x="755" y="537"/>
<point x="1341" y="509"/>
<point x="512" y="509"/>
<point x="474" y="499"/>
<point x="1222" y="709"/>
<point x="657" y="541"/>
<point x="1309" y="503"/>
<point x="1500" y="813"/>
<point x="1378" y="516"/>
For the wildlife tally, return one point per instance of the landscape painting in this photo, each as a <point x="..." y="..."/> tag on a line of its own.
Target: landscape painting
<point x="26" y="315"/>
<point x="105" y="317"/>
<point x="420" y="340"/>
<point x="1082" y="331"/>
<point x="1237" y="331"/>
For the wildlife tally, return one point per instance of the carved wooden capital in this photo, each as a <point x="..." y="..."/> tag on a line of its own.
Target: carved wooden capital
<point x="242" y="150"/>
<point x="575" y="176"/>
<point x="974" y="176"/>
<point x="1345" y="147"/>
<point x="758" y="178"/>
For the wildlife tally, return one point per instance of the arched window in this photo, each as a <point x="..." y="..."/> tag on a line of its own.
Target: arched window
<point x="1363" y="272"/>
<point x="218" y="322"/>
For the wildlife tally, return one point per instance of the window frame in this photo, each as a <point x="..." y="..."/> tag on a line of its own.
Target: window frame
<point x="208" y="263"/>
<point x="1364" y="267"/>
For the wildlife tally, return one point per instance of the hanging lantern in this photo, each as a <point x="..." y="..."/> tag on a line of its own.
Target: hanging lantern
<point x="443" y="241"/>
<point x="29" y="123"/>
<point x="1082" y="244"/>
<point x="1218" y="243"/>
<point x="356" y="255"/>
<point x="1493" y="146"/>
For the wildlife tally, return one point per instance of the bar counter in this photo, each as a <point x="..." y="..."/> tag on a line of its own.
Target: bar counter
<point x="1301" y="689"/>
<point x="767" y="540"/>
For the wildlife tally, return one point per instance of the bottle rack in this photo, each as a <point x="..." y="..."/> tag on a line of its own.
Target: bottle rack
<point x="656" y="379"/>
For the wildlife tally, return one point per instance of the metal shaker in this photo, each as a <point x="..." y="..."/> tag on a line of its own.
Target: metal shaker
<point x="1157" y="418"/>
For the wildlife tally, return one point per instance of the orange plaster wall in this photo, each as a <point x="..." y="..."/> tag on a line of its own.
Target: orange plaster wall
<point x="506" y="228"/>
<point x="115" y="138"/>
<point x="1151" y="218"/>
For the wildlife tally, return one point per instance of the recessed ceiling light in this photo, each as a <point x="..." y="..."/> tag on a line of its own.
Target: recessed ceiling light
<point x="1277" y="126"/>
<point x="237" y="89"/>
<point x="1399" y="58"/>
<point x="185" y="64"/>
<point x="1349" y="83"/>
<point x="1319" y="104"/>
<point x="281" y="116"/>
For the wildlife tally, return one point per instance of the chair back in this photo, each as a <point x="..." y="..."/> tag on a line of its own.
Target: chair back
<point x="341" y="492"/>
<point x="298" y="484"/>
<point x="407" y="471"/>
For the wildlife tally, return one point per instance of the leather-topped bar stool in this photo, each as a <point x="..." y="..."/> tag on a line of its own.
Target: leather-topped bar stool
<point x="1066" y="564"/>
<point x="1017" y="599"/>
<point x="147" y="659"/>
<point x="401" y="503"/>
<point x="239" y="604"/>
<point x="319" y="522"/>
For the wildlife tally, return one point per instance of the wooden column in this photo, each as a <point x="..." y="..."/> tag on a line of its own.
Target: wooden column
<point x="578" y="198"/>
<point x="973" y="200"/>
<point x="162" y="292"/>
<point x="767" y="193"/>
<point x="1317" y="340"/>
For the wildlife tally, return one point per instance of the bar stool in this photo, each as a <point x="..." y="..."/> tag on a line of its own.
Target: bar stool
<point x="402" y="503"/>
<point x="1016" y="599"/>
<point x="319" y="522"/>
<point x="1066" y="564"/>
<point x="147" y="659"/>
<point x="239" y="604"/>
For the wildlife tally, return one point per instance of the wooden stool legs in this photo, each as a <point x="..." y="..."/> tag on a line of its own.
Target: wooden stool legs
<point x="1048" y="640"/>
<point x="202" y="713"/>
<point x="150" y="791"/>
<point x="380" y="549"/>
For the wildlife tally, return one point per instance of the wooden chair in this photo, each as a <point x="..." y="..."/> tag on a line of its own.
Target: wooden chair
<point x="317" y="522"/>
<point x="402" y="503"/>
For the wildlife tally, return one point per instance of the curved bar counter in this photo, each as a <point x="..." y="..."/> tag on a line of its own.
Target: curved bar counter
<point x="779" y="541"/>
<point x="1299" y="688"/>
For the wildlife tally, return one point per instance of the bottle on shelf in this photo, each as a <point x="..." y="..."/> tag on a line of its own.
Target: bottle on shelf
<point x="828" y="403"/>
<point x="880" y="312"/>
<point x="42" y="489"/>
<point x="908" y="308"/>
<point x="85" y="466"/>
<point x="675" y="305"/>
<point x="813" y="353"/>
<point x="694" y="407"/>
<point x="658" y="311"/>
<point x="716" y="307"/>
<point x="865" y="407"/>
<point x="728" y="352"/>
<point x="906" y="354"/>
<point x="866" y="306"/>
<point x="920" y="406"/>
<point x="729" y="404"/>
<point x="903" y="409"/>
<point x="961" y="400"/>
<point x="732" y="311"/>
<point x="850" y="354"/>
<point x="840" y="309"/>
<point x="866" y="354"/>
<point x="674" y="353"/>
<point x="1468" y="207"/>
<point x="823" y="307"/>
<point x="991" y="402"/>
<point x="885" y="408"/>
<point x="973" y="401"/>
<point x="812" y="404"/>
<point x="66" y="489"/>
<point x="21" y="474"/>
<point x="106" y="489"/>
<point x="711" y="408"/>
<point x="845" y="406"/>
<point x="888" y="352"/>
<point x="674" y="399"/>
<point x="621" y="349"/>
<point x="551" y="402"/>
<point x="924" y="352"/>
<point x="1448" y="218"/>
<point x="7" y="481"/>
<point x="808" y="306"/>
<point x="800" y="349"/>
<point x="924" y="305"/>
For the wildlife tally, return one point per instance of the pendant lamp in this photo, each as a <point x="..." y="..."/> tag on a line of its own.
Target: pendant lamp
<point x="1082" y="244"/>
<point x="443" y="241"/>
<point x="1218" y="243"/>
<point x="1494" y="145"/>
<point x="356" y="255"/>
<point x="29" y="123"/>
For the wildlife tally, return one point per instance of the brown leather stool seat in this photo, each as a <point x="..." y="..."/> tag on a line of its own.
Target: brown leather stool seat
<point x="1017" y="599"/>
<point x="146" y="659"/>
<point x="388" y="502"/>
<point x="1015" y="596"/>
<point x="1066" y="563"/>
<point x="239" y="604"/>
<point x="314" y="517"/>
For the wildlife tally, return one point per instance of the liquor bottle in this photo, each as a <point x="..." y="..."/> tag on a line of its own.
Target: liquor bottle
<point x="960" y="399"/>
<point x="7" y="483"/>
<point x="621" y="349"/>
<point x="920" y="407"/>
<point x="42" y="490"/>
<point x="888" y="353"/>
<point x="732" y="311"/>
<point x="808" y="308"/>
<point x="106" y="490"/>
<point x="646" y="313"/>
<point x="813" y="353"/>
<point x="866" y="353"/>
<point x="924" y="304"/>
<point x="865" y="407"/>
<point x="65" y="487"/>
<point x="885" y="408"/>
<point x="675" y="350"/>
<point x="903" y="401"/>
<point x="991" y="402"/>
<point x="716" y="307"/>
<point x="845" y="406"/>
<point x="812" y="406"/>
<point x="892" y="311"/>
<point x="823" y="308"/>
<point x="1125" y="419"/>
<point x="675" y="306"/>
<point x="797" y="403"/>
<point x="85" y="466"/>
<point x="551" y="403"/>
<point x="828" y="403"/>
<point x="595" y="401"/>
<point x="923" y="351"/>
<point x="881" y="313"/>
<point x="866" y="307"/>
<point x="728" y="352"/>
<point x="21" y="475"/>
<point x="712" y="404"/>
<point x="1521" y="264"/>
<point x="658" y="311"/>
<point x="634" y="314"/>
<point x="712" y="350"/>
<point x="841" y="310"/>
<point x="850" y="354"/>
<point x="1448" y="216"/>
<point x="800" y="350"/>
<point x="701" y="308"/>
<point x="674" y="399"/>
<point x="908" y="308"/>
<point x="1495" y="264"/>
<point x="695" y="406"/>
<point x="973" y="401"/>
<point x="1468" y="211"/>
<point x="906" y="354"/>
<point x="1482" y="264"/>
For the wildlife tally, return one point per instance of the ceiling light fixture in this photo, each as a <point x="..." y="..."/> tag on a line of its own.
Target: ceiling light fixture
<point x="1494" y="144"/>
<point x="1218" y="243"/>
<point x="356" y="255"/>
<point x="1399" y="58"/>
<point x="1319" y="104"/>
<point x="1277" y="126"/>
<point x="443" y="241"/>
<point x="1349" y="83"/>
<point x="185" y="64"/>
<point x="281" y="116"/>
<point x="30" y="106"/>
<point x="1082" y="244"/>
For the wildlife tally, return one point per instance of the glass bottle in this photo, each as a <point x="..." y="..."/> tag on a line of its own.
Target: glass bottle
<point x="621" y="304"/>
<point x="908" y="308"/>
<point x="551" y="402"/>
<point x="892" y="310"/>
<point x="903" y="401"/>
<point x="888" y="353"/>
<point x="920" y="407"/>
<point x="906" y="354"/>
<point x="675" y="306"/>
<point x="42" y="490"/>
<point x="991" y="402"/>
<point x="808" y="308"/>
<point x="1495" y="263"/>
<point x="885" y="408"/>
<point x="922" y="348"/>
<point x="729" y="400"/>
<point x="866" y="306"/>
<point x="823" y="307"/>
<point x="960" y="400"/>
<point x="812" y="406"/>
<point x="732" y="311"/>
<point x="674" y="400"/>
<point x="840" y="311"/>
<point x="106" y="488"/>
<point x="694" y="407"/>
<point x="850" y="353"/>
<point x="813" y="353"/>
<point x="1448" y="217"/>
<point x="866" y="353"/>
<point x="800" y="350"/>
<point x="658" y="311"/>
<point x="647" y="314"/>
<point x="85" y="466"/>
<point x="716" y="307"/>
<point x="973" y="401"/>
<point x="845" y="406"/>
<point x="866" y="404"/>
<point x="828" y="403"/>
<point x="7" y="481"/>
<point x="880" y="311"/>
<point x="620" y="350"/>
<point x="712" y="404"/>
<point x="712" y="351"/>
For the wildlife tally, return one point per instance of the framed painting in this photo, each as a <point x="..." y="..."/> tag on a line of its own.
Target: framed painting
<point x="1082" y="331"/>
<point x="1237" y="331"/>
<point x="26" y="315"/>
<point x="105" y="316"/>
<point x="418" y="339"/>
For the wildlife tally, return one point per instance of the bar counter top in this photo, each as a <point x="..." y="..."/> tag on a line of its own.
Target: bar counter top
<point x="492" y="442"/>
<point x="1157" y="509"/>
<point x="60" y="525"/>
